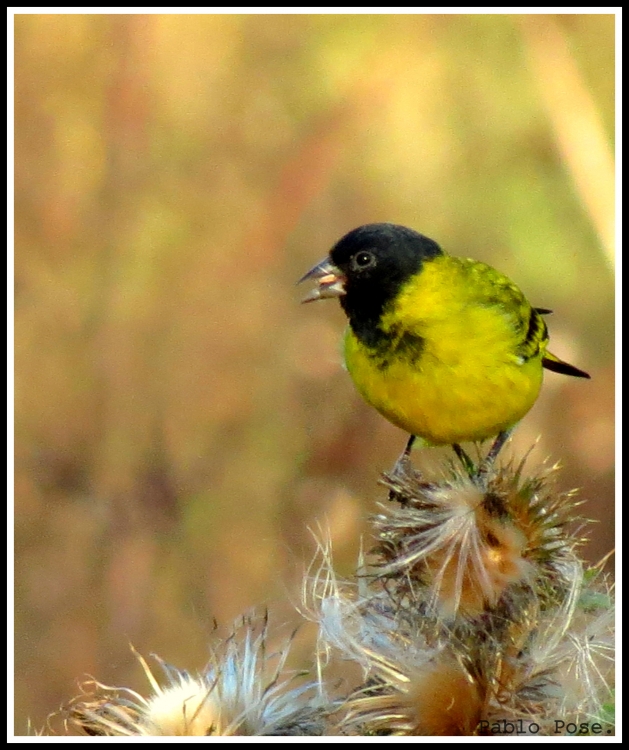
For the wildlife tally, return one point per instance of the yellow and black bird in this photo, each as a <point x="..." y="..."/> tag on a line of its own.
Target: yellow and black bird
<point x="447" y="348"/>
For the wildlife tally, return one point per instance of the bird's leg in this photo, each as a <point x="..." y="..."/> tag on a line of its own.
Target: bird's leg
<point x="402" y="467"/>
<point x="495" y="449"/>
<point x="468" y="464"/>
<point x="409" y="445"/>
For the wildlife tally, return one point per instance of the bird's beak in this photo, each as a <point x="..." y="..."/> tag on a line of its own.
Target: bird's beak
<point x="330" y="281"/>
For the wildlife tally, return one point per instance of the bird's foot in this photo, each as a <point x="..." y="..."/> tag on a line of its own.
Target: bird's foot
<point x="403" y="472"/>
<point x="488" y="462"/>
<point x="403" y="468"/>
<point x="479" y="473"/>
<point x="467" y="463"/>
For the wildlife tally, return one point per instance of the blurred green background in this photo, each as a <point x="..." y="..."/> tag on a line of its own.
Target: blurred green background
<point x="180" y="419"/>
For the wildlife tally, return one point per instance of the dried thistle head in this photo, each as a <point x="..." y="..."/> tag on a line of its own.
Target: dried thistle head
<point x="355" y="619"/>
<point x="462" y="546"/>
<point x="546" y="666"/>
<point x="242" y="691"/>
<point x="478" y="615"/>
<point x="583" y="660"/>
<point x="419" y="677"/>
<point x="436" y="698"/>
<point x="403" y="659"/>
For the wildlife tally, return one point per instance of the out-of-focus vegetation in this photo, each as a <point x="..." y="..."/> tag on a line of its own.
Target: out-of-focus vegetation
<point x="180" y="419"/>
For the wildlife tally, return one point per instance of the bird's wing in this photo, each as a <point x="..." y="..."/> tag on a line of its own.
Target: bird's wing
<point x="494" y="289"/>
<point x="535" y="336"/>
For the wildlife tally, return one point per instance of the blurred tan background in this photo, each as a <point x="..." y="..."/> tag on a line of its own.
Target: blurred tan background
<point x="180" y="419"/>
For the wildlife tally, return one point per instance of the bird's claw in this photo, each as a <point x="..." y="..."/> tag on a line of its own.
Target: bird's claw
<point x="403" y="473"/>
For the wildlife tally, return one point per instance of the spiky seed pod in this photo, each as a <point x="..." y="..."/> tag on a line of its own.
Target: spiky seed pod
<point x="242" y="691"/>
<point x="522" y="678"/>
<point x="461" y="546"/>
<point x="534" y="652"/>
<point x="439" y="698"/>
<point x="414" y="682"/>
<point x="583" y="660"/>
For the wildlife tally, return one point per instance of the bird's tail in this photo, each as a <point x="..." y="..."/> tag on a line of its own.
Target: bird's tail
<point x="551" y="362"/>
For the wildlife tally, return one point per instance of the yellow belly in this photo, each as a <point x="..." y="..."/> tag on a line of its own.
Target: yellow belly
<point x="471" y="397"/>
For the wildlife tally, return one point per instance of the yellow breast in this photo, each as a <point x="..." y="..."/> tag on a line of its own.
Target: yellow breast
<point x="463" y="380"/>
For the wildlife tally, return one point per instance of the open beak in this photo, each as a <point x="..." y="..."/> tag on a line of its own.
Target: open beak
<point x="330" y="281"/>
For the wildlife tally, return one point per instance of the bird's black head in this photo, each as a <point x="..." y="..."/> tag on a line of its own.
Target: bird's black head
<point x="375" y="261"/>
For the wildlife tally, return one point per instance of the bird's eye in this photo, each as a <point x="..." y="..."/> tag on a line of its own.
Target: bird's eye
<point x="364" y="259"/>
